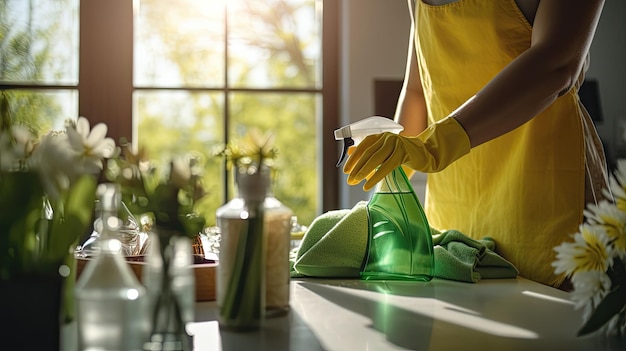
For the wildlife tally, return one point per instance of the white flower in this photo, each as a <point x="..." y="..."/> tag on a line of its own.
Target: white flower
<point x="605" y="213"/>
<point x="589" y="289"/>
<point x="15" y="146"/>
<point x="614" y="221"/>
<point x="91" y="146"/>
<point x="60" y="157"/>
<point x="589" y="251"/>
<point x="590" y="286"/>
<point x="598" y="247"/>
<point x="53" y="158"/>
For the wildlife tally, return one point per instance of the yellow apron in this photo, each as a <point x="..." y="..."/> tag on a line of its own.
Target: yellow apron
<point x="525" y="189"/>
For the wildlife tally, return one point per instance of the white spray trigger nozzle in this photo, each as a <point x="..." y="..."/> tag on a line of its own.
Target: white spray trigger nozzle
<point x="352" y="134"/>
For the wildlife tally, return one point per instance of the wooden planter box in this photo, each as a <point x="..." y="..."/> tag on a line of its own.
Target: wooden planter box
<point x="204" y="274"/>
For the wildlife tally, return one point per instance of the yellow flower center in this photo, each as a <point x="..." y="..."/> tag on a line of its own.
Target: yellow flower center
<point x="594" y="255"/>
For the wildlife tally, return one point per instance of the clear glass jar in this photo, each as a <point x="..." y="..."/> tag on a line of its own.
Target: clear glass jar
<point x="129" y="233"/>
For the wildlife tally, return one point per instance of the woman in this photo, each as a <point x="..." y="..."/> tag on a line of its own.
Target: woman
<point x="491" y="112"/>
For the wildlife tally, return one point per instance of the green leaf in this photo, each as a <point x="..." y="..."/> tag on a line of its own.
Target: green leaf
<point x="21" y="191"/>
<point x="192" y="224"/>
<point x="74" y="218"/>
<point x="612" y="304"/>
<point x="21" y="198"/>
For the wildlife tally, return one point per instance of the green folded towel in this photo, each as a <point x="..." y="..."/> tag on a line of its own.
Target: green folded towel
<point x="458" y="257"/>
<point x="335" y="246"/>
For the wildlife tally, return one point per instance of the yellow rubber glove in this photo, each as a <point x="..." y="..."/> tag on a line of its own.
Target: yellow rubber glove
<point x="433" y="150"/>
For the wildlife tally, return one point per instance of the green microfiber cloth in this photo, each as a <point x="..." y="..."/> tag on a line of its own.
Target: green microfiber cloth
<point x="335" y="246"/>
<point x="458" y="257"/>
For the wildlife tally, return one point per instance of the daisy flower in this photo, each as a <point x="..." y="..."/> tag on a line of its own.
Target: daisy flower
<point x="589" y="251"/>
<point x="595" y="260"/>
<point x="614" y="221"/>
<point x="589" y="289"/>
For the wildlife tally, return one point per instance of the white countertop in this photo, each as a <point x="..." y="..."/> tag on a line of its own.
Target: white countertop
<point x="507" y="314"/>
<point x="354" y="315"/>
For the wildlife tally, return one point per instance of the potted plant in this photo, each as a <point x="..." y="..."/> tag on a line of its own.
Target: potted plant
<point x="47" y="192"/>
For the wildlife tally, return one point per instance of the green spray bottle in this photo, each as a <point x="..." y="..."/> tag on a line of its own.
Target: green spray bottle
<point x="399" y="240"/>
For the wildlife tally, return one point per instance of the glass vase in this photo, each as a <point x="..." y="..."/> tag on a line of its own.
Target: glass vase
<point x="168" y="277"/>
<point x="240" y="273"/>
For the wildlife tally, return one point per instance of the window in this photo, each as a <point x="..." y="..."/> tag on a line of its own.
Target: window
<point x="185" y="75"/>
<point x="39" y="80"/>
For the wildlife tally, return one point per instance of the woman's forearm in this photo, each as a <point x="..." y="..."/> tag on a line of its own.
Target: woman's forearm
<point x="411" y="108"/>
<point x="530" y="83"/>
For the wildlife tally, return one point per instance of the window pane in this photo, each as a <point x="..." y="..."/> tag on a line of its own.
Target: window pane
<point x="177" y="123"/>
<point x="179" y="43"/>
<point x="274" y="43"/>
<point x="39" y="41"/>
<point x="291" y="117"/>
<point x="42" y="110"/>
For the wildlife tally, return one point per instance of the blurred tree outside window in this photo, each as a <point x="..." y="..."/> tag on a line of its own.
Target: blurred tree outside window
<point x="203" y="74"/>
<point x="39" y="62"/>
<point x="206" y="72"/>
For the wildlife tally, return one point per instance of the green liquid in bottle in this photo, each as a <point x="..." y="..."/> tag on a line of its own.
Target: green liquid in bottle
<point x="400" y="244"/>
